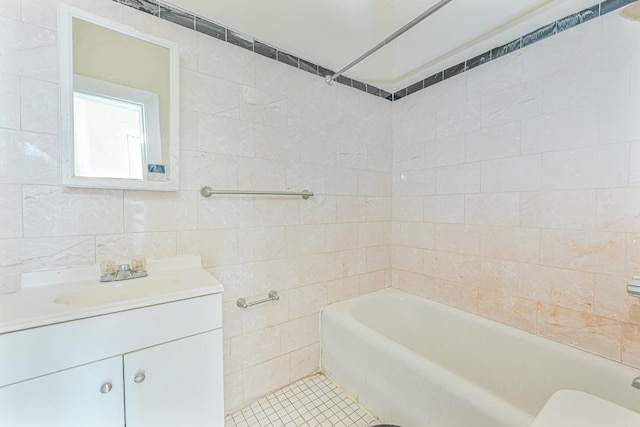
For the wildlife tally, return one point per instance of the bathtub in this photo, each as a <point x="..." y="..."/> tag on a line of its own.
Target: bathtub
<point x="415" y="363"/>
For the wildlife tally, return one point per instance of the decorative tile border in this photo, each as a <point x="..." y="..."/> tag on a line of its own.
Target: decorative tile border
<point x="204" y="26"/>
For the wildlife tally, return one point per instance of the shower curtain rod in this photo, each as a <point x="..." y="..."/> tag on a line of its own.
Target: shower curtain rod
<point x="433" y="9"/>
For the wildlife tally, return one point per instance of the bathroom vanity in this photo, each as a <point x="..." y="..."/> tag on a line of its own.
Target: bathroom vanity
<point x="142" y="352"/>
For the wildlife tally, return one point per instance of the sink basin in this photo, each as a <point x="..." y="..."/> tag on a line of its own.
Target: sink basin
<point x="105" y="293"/>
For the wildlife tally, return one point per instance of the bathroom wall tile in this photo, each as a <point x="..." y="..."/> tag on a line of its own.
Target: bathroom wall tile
<point x="39" y="106"/>
<point x="456" y="295"/>
<point x="407" y="259"/>
<point x="278" y="274"/>
<point x="234" y="390"/>
<point x="580" y="329"/>
<point x="492" y="274"/>
<point x="618" y="210"/>
<point x="409" y="155"/>
<point x="259" y="174"/>
<point x="225" y="212"/>
<point x="278" y="211"/>
<point x="232" y="321"/>
<point x="414" y="183"/>
<point x="304" y="362"/>
<point x="352" y="153"/>
<point x="459" y="179"/>
<point x="317" y="148"/>
<point x="256" y="347"/>
<point x="126" y="246"/>
<point x="304" y="176"/>
<point x="557" y="286"/>
<point x="374" y="234"/>
<point x="198" y="169"/>
<point x="492" y="209"/>
<point x="264" y="107"/>
<point x="9" y="101"/>
<point x="379" y="208"/>
<point x="417" y="284"/>
<point x="189" y="130"/>
<point x="29" y="158"/>
<point x="351" y="209"/>
<point x="594" y="251"/>
<point x="276" y="143"/>
<point x="612" y="301"/>
<point x="465" y="117"/>
<point x="495" y="76"/>
<point x="633" y="254"/>
<point x="458" y="238"/>
<point x="217" y="247"/>
<point x="317" y="268"/>
<point x="22" y="255"/>
<point x="513" y="174"/>
<point x="374" y="281"/>
<point x="11" y="9"/>
<point x="630" y="344"/>
<point x="226" y="61"/>
<point x="340" y="237"/>
<point x="307" y="300"/>
<point x="224" y="135"/>
<point x="446" y="209"/>
<point x="319" y="209"/>
<point x="443" y="265"/>
<point x="59" y="211"/>
<point x="445" y="151"/>
<point x="207" y="94"/>
<point x="265" y="315"/>
<point x="570" y="88"/>
<point x="634" y="159"/>
<point x="510" y="310"/>
<point x="371" y="183"/>
<point x="166" y="211"/>
<point x="350" y="263"/>
<point x="265" y="377"/>
<point x="237" y="279"/>
<point x="494" y="142"/>
<point x="510" y="243"/>
<point x="29" y="51"/>
<point x="341" y="289"/>
<point x="378" y="258"/>
<point x="414" y="234"/>
<point x="571" y="209"/>
<point x="306" y="239"/>
<point x="261" y="243"/>
<point x="343" y="182"/>
<point x="573" y="128"/>
<point x="598" y="167"/>
<point x="11" y="212"/>
<point x="299" y="333"/>
<point x="617" y="120"/>
<point x="512" y="104"/>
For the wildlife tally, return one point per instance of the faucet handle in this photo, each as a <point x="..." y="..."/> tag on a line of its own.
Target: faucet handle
<point x="138" y="264"/>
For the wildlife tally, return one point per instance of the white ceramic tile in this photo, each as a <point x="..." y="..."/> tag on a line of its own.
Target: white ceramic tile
<point x="10" y="9"/>
<point x="573" y="128"/>
<point x="262" y="243"/>
<point x="378" y="258"/>
<point x="414" y="182"/>
<point x="208" y="94"/>
<point x="199" y="169"/>
<point x="407" y="209"/>
<point x="222" y="211"/>
<point x="512" y="104"/>
<point x="39" y="106"/>
<point x="342" y="182"/>
<point x="224" y="60"/>
<point x="449" y="209"/>
<point x="371" y="183"/>
<point x="492" y="209"/>
<point x="494" y="142"/>
<point x="9" y="101"/>
<point x="160" y="211"/>
<point x="29" y="158"/>
<point x="265" y="377"/>
<point x="512" y="174"/>
<point x="618" y="210"/>
<point x="414" y="234"/>
<point x="60" y="211"/>
<point x="308" y="300"/>
<point x="43" y="14"/>
<point x="572" y="209"/>
<point x="277" y="274"/>
<point x="123" y="246"/>
<point x="22" y="255"/>
<point x="445" y="151"/>
<point x="304" y="362"/>
<point x="276" y="143"/>
<point x="306" y="239"/>
<point x="349" y="263"/>
<point x="225" y="135"/>
<point x="314" y="269"/>
<point x="634" y="161"/>
<point x="216" y="247"/>
<point x="341" y="237"/>
<point x="570" y="88"/>
<point x="379" y="208"/>
<point x="11" y="212"/>
<point x="458" y="238"/>
<point x="595" y="167"/>
<point x="237" y="279"/>
<point x="259" y="174"/>
<point x="273" y="313"/>
<point x="299" y="333"/>
<point x="306" y="176"/>
<point x="28" y="50"/>
<point x="264" y="107"/>
<point x="319" y="209"/>
<point x="495" y="76"/>
<point x="458" y="119"/>
<point x="511" y="243"/>
<point x="458" y="179"/>
<point x="276" y="211"/>
<point x="374" y="234"/>
<point x="318" y="149"/>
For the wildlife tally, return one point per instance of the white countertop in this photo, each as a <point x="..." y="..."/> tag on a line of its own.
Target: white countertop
<point x="34" y="304"/>
<point x="567" y="408"/>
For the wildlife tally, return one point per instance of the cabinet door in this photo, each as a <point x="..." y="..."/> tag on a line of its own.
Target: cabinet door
<point x="176" y="384"/>
<point x="77" y="397"/>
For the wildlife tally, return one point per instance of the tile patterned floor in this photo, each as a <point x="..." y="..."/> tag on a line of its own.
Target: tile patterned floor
<point x="311" y="402"/>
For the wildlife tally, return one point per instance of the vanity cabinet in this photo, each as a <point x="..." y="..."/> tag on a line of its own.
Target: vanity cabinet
<point x="154" y="366"/>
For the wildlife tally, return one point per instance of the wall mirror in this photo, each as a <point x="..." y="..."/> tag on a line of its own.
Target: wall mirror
<point x="119" y="105"/>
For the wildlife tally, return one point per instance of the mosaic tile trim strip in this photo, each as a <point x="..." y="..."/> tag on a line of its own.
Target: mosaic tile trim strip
<point x="204" y="26"/>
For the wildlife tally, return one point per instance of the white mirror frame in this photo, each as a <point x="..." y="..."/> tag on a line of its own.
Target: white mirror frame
<point x="65" y="39"/>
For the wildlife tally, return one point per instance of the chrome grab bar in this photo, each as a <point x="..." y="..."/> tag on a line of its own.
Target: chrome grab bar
<point x="242" y="302"/>
<point x="208" y="192"/>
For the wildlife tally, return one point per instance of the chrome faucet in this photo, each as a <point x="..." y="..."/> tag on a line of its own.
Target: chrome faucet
<point x="124" y="271"/>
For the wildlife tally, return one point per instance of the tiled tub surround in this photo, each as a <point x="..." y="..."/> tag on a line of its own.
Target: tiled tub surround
<point x="247" y="122"/>
<point x="516" y="189"/>
<point x="522" y="211"/>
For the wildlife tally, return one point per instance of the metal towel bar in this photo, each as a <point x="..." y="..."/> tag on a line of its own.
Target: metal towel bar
<point x="242" y="303"/>
<point x="208" y="192"/>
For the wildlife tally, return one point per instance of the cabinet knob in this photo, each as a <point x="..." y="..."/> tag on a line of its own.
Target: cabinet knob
<point x="106" y="388"/>
<point x="139" y="377"/>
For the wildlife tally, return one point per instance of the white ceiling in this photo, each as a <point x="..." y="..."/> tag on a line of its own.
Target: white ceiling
<point x="332" y="33"/>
